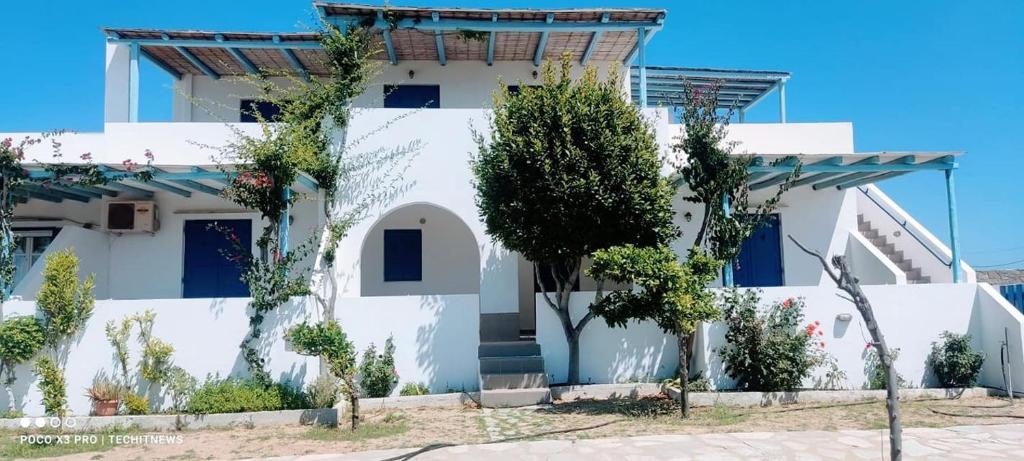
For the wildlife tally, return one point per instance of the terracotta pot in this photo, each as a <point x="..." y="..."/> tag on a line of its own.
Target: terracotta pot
<point x="105" y="407"/>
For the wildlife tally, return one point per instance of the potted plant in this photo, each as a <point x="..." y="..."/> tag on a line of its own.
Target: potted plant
<point x="105" y="395"/>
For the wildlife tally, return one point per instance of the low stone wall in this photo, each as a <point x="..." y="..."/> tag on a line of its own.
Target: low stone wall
<point x="320" y="417"/>
<point x="605" y="391"/>
<point x="753" y="399"/>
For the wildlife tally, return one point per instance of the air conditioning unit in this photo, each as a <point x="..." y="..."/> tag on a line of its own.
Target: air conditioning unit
<point x="131" y="217"/>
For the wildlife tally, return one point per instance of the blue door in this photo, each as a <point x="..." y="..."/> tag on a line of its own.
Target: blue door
<point x="207" y="271"/>
<point x="760" y="261"/>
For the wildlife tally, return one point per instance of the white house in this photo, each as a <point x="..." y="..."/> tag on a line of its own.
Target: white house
<point x="463" y="310"/>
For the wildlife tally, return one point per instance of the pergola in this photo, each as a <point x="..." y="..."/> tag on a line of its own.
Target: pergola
<point x="849" y="171"/>
<point x="738" y="90"/>
<point x="404" y="33"/>
<point x="182" y="181"/>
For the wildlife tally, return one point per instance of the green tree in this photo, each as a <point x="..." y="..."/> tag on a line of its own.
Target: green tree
<point x="64" y="306"/>
<point x="328" y="341"/>
<point x="570" y="168"/>
<point x="673" y="295"/>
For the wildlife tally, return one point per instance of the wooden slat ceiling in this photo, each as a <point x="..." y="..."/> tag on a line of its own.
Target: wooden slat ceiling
<point x="409" y="44"/>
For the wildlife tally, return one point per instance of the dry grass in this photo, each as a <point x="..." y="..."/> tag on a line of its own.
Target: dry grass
<point x="564" y="420"/>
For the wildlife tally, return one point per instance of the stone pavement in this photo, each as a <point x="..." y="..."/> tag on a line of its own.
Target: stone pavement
<point x="953" y="443"/>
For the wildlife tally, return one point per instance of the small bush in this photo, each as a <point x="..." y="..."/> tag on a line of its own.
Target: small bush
<point x="20" y="339"/>
<point x="52" y="386"/>
<point x="953" y="361"/>
<point x="136" y="404"/>
<point x="323" y="392"/>
<point x="242" y="395"/>
<point x="377" y="373"/>
<point x="181" y="386"/>
<point x="766" y="349"/>
<point x="876" y="372"/>
<point x="414" y="389"/>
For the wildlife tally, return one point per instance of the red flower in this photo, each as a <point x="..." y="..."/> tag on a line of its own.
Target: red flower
<point x="823" y="344"/>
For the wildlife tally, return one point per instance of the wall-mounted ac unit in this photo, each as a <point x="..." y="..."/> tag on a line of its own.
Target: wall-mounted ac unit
<point x="131" y="217"/>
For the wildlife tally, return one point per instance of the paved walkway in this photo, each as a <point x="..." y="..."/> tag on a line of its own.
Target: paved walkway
<point x="962" y="442"/>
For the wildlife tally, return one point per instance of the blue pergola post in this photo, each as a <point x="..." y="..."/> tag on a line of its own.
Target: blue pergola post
<point x="954" y="230"/>
<point x="727" y="268"/>
<point x="283" y="225"/>
<point x="641" y="57"/>
<point x="782" y="102"/>
<point x="133" y="82"/>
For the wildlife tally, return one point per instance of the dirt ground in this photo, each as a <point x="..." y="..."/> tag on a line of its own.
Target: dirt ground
<point x="563" y="420"/>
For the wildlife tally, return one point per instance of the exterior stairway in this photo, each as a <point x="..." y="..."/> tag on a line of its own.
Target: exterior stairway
<point x="511" y="369"/>
<point x="889" y="250"/>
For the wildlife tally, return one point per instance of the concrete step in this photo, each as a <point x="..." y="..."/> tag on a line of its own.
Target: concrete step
<point x="521" y="364"/>
<point x="906" y="265"/>
<point x="860" y="219"/>
<point x="494" y="381"/>
<point x="879" y="242"/>
<point x="506" y="398"/>
<point x="897" y="257"/>
<point x="869" y="233"/>
<point x="914" y="274"/>
<point x="888" y="248"/>
<point x="925" y="279"/>
<point x="508" y="349"/>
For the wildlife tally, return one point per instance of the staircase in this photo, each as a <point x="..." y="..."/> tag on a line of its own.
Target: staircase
<point x="511" y="368"/>
<point x="889" y="250"/>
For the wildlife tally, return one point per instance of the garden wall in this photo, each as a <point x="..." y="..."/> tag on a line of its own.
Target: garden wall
<point x="912" y="316"/>
<point x="436" y="339"/>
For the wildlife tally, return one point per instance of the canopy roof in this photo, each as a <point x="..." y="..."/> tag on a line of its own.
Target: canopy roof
<point x="405" y="33"/>
<point x="822" y="171"/>
<point x="738" y="89"/>
<point x="176" y="179"/>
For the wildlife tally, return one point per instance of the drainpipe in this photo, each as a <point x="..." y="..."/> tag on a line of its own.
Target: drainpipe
<point x="286" y="194"/>
<point x="727" y="268"/>
<point x="954" y="230"/>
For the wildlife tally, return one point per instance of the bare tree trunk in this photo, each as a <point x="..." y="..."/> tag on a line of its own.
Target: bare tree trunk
<point x="683" y="340"/>
<point x="565" y="278"/>
<point x="845" y="280"/>
<point x="353" y="402"/>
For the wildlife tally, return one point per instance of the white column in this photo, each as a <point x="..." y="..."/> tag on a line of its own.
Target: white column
<point x="117" y="98"/>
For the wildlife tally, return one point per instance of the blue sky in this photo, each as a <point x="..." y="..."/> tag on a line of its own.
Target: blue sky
<point x="910" y="75"/>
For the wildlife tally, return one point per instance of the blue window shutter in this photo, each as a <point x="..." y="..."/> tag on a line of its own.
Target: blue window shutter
<point x="403" y="255"/>
<point x="250" y="107"/>
<point x="412" y="96"/>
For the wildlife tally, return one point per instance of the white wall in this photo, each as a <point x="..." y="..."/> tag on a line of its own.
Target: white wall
<point x="436" y="337"/>
<point x="869" y="264"/>
<point x="93" y="251"/>
<point x="911" y="317"/>
<point x="205" y="334"/>
<point x="436" y="340"/>
<point x="463" y="85"/>
<point x="143" y="266"/>
<point x="438" y="174"/>
<point x="451" y="259"/>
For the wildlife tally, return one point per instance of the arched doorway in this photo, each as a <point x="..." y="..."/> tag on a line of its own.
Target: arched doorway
<point x="419" y="249"/>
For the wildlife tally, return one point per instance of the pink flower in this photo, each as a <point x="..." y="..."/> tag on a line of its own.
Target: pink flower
<point x="823" y="344"/>
<point x="6" y="143"/>
<point x="867" y="346"/>
<point x="129" y="164"/>
<point x="149" y="155"/>
<point x="86" y="156"/>
<point x="816" y="323"/>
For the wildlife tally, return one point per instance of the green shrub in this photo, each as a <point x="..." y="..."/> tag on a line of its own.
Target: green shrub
<point x="876" y="372"/>
<point x="953" y="361"/>
<point x="181" y="386"/>
<point x="65" y="305"/>
<point x="20" y="340"/>
<point x="767" y="350"/>
<point x="377" y="373"/>
<point x="325" y="340"/>
<point x="234" y="395"/>
<point x="52" y="386"/>
<point x="414" y="389"/>
<point x="136" y="404"/>
<point x="323" y="392"/>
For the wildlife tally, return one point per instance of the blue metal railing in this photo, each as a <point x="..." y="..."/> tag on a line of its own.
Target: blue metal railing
<point x="1014" y="294"/>
<point x="903" y="224"/>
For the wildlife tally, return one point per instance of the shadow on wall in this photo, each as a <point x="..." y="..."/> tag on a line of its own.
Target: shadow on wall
<point x="435" y="341"/>
<point x="272" y="331"/>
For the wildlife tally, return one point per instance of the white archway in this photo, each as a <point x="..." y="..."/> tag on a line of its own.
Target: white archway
<point x="450" y="256"/>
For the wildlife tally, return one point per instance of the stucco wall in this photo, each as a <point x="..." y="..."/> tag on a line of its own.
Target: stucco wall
<point x="911" y="317"/>
<point x="436" y="340"/>
<point x="142" y="266"/>
<point x="451" y="259"/>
